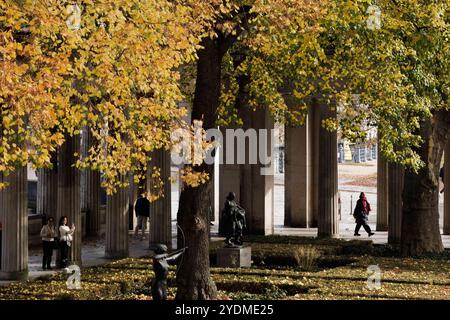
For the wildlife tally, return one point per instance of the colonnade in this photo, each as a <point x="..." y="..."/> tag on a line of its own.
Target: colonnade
<point x="311" y="193"/>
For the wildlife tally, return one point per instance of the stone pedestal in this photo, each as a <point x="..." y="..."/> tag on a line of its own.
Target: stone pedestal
<point x="69" y="192"/>
<point x="234" y="257"/>
<point x="117" y="207"/>
<point x="382" y="194"/>
<point x="160" y="210"/>
<point x="395" y="189"/>
<point x="14" y="220"/>
<point x="328" y="215"/>
<point x="447" y="189"/>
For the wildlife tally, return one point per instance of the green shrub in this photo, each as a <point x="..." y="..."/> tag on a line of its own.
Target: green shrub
<point x="274" y="292"/>
<point x="357" y="247"/>
<point x="65" y="296"/>
<point x="335" y="261"/>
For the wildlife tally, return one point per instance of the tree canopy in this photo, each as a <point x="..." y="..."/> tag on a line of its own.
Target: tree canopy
<point x="391" y="74"/>
<point x="111" y="66"/>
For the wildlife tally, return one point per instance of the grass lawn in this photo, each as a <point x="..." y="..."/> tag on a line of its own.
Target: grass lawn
<point x="283" y="268"/>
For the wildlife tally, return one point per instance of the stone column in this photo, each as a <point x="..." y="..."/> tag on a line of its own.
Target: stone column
<point x="117" y="207"/>
<point x="14" y="221"/>
<point x="229" y="179"/>
<point x="47" y="192"/>
<point x="447" y="189"/>
<point x="161" y="209"/>
<point x="257" y="180"/>
<point x="84" y="150"/>
<point x="215" y="192"/>
<point x="328" y="215"/>
<point x="133" y="193"/>
<point x="92" y="196"/>
<point x="298" y="188"/>
<point x="395" y="189"/>
<point x="382" y="193"/>
<point x="93" y="203"/>
<point x="69" y="192"/>
<point x="314" y="133"/>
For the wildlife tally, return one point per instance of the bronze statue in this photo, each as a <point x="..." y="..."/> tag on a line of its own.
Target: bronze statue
<point x="161" y="262"/>
<point x="234" y="220"/>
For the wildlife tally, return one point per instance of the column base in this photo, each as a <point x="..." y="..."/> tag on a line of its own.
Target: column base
<point x="381" y="228"/>
<point x="16" y="275"/>
<point x="446" y="232"/>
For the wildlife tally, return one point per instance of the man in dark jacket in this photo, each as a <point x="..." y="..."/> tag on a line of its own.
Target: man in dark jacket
<point x="142" y="209"/>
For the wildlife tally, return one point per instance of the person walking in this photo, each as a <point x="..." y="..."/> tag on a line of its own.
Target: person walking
<point x="142" y="210"/>
<point x="48" y="234"/>
<point x="65" y="240"/>
<point x="361" y="215"/>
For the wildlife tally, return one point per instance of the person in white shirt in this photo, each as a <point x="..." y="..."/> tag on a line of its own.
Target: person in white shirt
<point x="65" y="240"/>
<point x="48" y="234"/>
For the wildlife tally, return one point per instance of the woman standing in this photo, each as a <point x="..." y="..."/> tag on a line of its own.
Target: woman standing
<point x="48" y="234"/>
<point x="361" y="215"/>
<point x="65" y="240"/>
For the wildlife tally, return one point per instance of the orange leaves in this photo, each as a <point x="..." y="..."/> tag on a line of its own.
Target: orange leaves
<point x="116" y="73"/>
<point x="193" y="178"/>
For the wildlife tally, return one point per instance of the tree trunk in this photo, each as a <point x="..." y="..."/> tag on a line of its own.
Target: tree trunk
<point x="420" y="221"/>
<point x="193" y="279"/>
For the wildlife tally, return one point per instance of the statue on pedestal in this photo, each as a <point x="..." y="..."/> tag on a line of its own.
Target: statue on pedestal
<point x="161" y="262"/>
<point x="234" y="221"/>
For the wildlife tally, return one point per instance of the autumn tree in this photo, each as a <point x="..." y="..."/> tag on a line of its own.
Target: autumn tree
<point x="386" y="65"/>
<point x="395" y="76"/>
<point x="110" y="66"/>
<point x="391" y="73"/>
<point x="31" y="83"/>
<point x="249" y="25"/>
